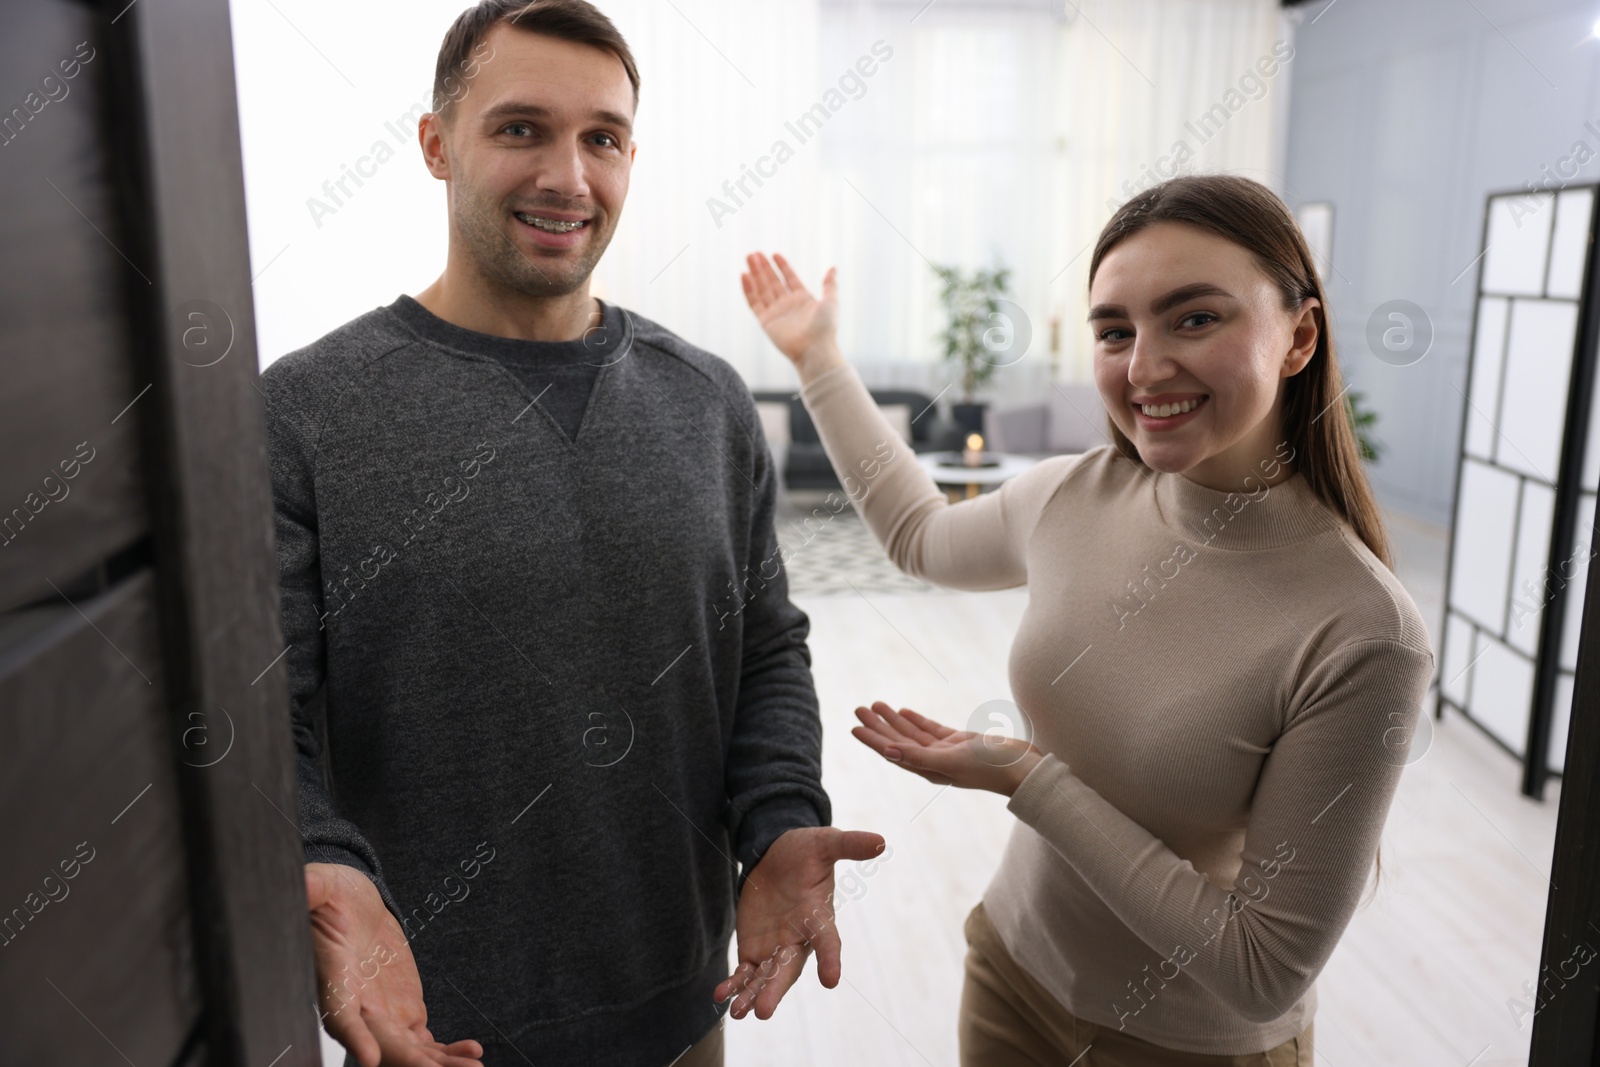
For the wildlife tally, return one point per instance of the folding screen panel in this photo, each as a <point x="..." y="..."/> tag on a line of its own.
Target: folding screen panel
<point x="1525" y="490"/>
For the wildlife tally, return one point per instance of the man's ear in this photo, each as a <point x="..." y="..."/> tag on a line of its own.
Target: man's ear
<point x="432" y="134"/>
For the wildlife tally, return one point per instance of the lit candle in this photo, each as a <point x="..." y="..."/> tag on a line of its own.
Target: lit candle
<point x="972" y="455"/>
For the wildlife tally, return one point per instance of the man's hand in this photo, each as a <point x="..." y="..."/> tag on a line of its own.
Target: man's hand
<point x="785" y="911"/>
<point x="945" y="756"/>
<point x="367" y="978"/>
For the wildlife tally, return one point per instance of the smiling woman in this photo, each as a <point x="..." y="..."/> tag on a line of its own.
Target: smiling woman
<point x="1254" y="342"/>
<point x="1144" y="809"/>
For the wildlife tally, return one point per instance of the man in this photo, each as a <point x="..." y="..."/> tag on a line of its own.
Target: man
<point x="527" y="556"/>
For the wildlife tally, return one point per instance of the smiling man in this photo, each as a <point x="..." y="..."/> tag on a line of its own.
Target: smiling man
<point x="558" y="777"/>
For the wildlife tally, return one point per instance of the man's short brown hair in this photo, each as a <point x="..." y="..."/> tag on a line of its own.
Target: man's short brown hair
<point x="567" y="20"/>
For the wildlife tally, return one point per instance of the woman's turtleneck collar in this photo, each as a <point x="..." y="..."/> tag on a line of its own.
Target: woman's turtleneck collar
<point x="1254" y="516"/>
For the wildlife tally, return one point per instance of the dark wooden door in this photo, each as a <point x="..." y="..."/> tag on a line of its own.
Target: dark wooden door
<point x="152" y="905"/>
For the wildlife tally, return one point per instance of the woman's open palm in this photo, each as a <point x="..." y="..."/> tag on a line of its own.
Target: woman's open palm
<point x="796" y="321"/>
<point x="944" y="755"/>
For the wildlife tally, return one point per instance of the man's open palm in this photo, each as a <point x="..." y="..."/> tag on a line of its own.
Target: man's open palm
<point x="785" y="911"/>
<point x="367" y="978"/>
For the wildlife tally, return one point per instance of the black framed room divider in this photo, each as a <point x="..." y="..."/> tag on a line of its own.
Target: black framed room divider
<point x="1526" y="479"/>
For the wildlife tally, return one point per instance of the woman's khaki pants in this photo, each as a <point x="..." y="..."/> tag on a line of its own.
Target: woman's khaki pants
<point x="1009" y="1020"/>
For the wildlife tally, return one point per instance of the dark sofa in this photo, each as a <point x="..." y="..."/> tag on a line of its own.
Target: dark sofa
<point x="806" y="466"/>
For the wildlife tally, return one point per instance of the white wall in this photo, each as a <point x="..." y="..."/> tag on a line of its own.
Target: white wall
<point x="1406" y="116"/>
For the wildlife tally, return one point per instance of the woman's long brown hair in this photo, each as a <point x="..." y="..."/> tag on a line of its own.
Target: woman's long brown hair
<point x="1253" y="217"/>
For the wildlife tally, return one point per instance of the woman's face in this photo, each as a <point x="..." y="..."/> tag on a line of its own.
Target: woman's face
<point x="1182" y="316"/>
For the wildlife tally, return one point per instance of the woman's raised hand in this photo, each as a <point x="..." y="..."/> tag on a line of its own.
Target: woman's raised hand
<point x="803" y="327"/>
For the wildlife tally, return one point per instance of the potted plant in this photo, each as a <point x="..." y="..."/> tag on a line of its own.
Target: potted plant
<point x="1361" y="420"/>
<point x="969" y="301"/>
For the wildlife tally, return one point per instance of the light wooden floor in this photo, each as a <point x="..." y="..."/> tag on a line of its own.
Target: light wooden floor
<point x="1423" y="973"/>
<point x="1422" y="976"/>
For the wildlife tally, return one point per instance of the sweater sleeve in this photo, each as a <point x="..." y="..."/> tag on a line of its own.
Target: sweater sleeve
<point x="774" y="763"/>
<point x="975" y="544"/>
<point x="1315" y="821"/>
<point x="328" y="837"/>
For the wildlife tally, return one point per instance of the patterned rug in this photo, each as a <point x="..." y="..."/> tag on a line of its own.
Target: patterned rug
<point x="828" y="554"/>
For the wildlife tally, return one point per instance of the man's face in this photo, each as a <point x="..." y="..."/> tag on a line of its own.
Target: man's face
<point x="537" y="154"/>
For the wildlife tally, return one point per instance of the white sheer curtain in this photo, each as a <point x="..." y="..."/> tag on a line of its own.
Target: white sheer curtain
<point x="1141" y="79"/>
<point x="719" y="80"/>
<point x="984" y="131"/>
<point x="993" y="132"/>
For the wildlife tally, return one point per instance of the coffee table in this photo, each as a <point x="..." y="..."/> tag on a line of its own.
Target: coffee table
<point x="962" y="482"/>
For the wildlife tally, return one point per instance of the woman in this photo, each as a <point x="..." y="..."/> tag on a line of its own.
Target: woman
<point x="1220" y="669"/>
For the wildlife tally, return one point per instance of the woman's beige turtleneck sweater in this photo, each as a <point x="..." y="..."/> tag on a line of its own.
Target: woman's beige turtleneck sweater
<point x="1224" y="685"/>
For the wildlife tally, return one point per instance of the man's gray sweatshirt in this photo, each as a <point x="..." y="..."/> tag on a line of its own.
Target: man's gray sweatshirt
<point x="565" y="688"/>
